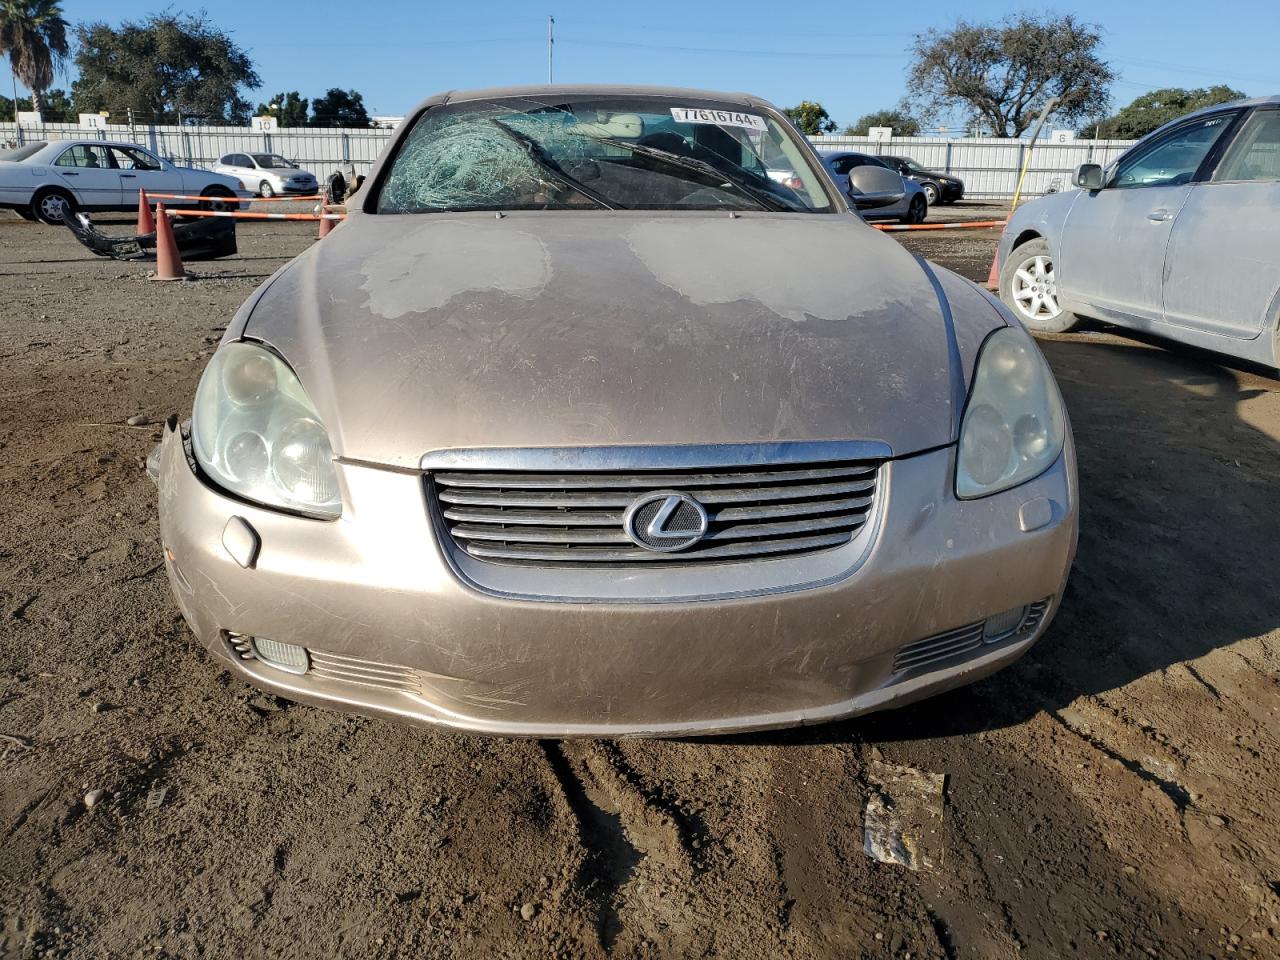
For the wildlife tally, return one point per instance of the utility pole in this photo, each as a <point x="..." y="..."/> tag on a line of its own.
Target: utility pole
<point x="551" y="43"/>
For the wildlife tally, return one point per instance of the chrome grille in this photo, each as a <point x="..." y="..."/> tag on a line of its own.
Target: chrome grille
<point x="554" y="517"/>
<point x="241" y="646"/>
<point x="366" y="673"/>
<point x="964" y="640"/>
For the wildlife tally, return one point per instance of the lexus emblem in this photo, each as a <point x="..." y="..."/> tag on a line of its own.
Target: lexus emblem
<point x="665" y="521"/>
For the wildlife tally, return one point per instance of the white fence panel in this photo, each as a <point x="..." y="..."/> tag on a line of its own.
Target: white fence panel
<point x="988" y="166"/>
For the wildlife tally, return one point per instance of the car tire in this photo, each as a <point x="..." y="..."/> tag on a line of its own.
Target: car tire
<point x="1028" y="287"/>
<point x="931" y="192"/>
<point x="53" y="206"/>
<point x="220" y="198"/>
<point x="916" y="212"/>
<point x="265" y="189"/>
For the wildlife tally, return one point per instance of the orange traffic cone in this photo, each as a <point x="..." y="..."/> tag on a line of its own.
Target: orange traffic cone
<point x="145" y="222"/>
<point x="325" y="224"/>
<point x="993" y="278"/>
<point x="168" y="263"/>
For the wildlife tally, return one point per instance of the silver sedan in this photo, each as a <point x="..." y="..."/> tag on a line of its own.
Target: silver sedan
<point x="1178" y="237"/>
<point x="268" y="174"/>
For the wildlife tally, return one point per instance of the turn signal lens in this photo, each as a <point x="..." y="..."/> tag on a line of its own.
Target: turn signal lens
<point x="288" y="657"/>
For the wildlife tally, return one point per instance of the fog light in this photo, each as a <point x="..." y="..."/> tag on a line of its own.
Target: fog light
<point x="1003" y="624"/>
<point x="288" y="657"/>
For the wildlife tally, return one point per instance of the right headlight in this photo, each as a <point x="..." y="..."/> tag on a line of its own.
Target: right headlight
<point x="256" y="433"/>
<point x="1013" y="427"/>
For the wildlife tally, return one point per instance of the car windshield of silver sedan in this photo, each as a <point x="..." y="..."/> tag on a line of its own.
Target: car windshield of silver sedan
<point x="613" y="153"/>
<point x="273" y="161"/>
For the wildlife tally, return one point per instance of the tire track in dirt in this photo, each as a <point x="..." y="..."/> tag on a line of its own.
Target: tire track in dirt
<point x="1173" y="789"/>
<point x="609" y="857"/>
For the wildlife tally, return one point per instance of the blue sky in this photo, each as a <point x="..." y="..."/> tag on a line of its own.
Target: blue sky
<point x="850" y="56"/>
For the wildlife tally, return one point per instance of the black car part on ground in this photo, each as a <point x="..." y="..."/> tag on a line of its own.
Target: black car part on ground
<point x="206" y="239"/>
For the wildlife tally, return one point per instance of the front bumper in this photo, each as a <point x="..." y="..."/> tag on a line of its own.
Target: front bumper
<point x="394" y="632"/>
<point x="302" y="189"/>
<point x="951" y="192"/>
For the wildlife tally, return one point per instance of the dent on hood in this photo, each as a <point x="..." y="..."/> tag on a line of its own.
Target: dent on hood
<point x="732" y="260"/>
<point x="406" y="278"/>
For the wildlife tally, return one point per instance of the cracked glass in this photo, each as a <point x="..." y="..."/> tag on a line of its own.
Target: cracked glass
<point x="618" y="153"/>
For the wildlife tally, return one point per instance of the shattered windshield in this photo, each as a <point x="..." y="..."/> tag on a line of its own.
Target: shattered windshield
<point x="617" y="153"/>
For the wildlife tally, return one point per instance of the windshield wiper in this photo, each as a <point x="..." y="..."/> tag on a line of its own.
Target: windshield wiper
<point x="765" y="199"/>
<point x="550" y="167"/>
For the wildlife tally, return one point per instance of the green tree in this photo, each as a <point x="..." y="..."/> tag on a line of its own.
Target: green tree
<point x="811" y="118"/>
<point x="1002" y="74"/>
<point x="290" y="109"/>
<point x="6" y="110"/>
<point x="55" y="106"/>
<point x="165" y="68"/>
<point x="1155" y="109"/>
<point x="339" y="108"/>
<point x="904" y="125"/>
<point x="33" y="34"/>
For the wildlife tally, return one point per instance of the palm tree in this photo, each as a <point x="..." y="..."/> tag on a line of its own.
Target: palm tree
<point x="33" y="33"/>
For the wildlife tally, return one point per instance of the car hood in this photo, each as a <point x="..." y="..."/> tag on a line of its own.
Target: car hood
<point x="419" y="333"/>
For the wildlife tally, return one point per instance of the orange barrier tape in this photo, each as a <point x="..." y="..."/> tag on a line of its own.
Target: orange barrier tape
<point x="250" y="215"/>
<point x="972" y="225"/>
<point x="183" y="196"/>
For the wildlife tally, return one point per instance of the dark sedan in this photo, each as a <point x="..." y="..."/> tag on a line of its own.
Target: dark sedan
<point x="938" y="187"/>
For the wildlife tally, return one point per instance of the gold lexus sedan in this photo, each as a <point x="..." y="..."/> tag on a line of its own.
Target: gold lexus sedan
<point x="583" y="424"/>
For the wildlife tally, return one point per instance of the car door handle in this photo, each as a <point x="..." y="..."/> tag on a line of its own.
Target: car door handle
<point x="70" y="173"/>
<point x="1159" y="215"/>
<point x="129" y="175"/>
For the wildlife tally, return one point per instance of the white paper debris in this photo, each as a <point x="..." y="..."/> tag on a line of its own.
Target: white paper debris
<point x="156" y="795"/>
<point x="903" y="820"/>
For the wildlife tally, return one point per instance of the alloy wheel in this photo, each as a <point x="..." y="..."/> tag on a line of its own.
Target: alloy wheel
<point x="54" y="207"/>
<point x="1035" y="289"/>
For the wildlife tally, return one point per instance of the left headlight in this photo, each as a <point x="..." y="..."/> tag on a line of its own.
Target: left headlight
<point x="256" y="433"/>
<point x="1014" y="427"/>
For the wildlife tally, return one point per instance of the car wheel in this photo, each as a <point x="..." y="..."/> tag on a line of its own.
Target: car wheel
<point x="930" y="192"/>
<point x="1029" y="287"/>
<point x="220" y="198"/>
<point x="53" y="206"/>
<point x="916" y="212"/>
<point x="265" y="189"/>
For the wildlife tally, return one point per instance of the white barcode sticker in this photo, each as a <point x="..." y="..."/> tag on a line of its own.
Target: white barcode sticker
<point x="723" y="118"/>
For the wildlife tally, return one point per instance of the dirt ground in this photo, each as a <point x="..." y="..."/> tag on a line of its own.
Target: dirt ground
<point x="1113" y="794"/>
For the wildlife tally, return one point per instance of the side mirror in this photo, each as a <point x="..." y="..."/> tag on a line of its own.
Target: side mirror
<point x="1088" y="176"/>
<point x="871" y="187"/>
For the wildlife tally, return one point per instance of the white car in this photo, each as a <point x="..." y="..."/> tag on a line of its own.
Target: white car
<point x="51" y="180"/>
<point x="268" y="174"/>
